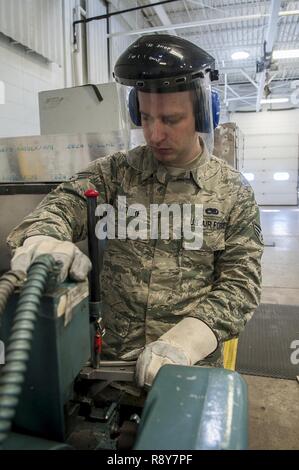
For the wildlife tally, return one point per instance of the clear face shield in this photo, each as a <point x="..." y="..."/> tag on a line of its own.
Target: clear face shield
<point x="169" y="119"/>
<point x="131" y="130"/>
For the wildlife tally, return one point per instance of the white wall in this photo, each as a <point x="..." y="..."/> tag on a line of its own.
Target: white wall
<point x="36" y="24"/>
<point x="270" y="122"/>
<point x="24" y="76"/>
<point x="271" y="145"/>
<point x="97" y="55"/>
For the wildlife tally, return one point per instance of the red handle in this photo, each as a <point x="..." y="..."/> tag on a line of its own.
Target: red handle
<point x="98" y="341"/>
<point x="91" y="193"/>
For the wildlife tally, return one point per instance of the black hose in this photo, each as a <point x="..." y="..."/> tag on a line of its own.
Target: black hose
<point x="19" y="343"/>
<point x="8" y="282"/>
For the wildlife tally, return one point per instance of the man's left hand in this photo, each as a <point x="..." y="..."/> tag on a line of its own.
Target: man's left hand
<point x="188" y="342"/>
<point x="154" y="356"/>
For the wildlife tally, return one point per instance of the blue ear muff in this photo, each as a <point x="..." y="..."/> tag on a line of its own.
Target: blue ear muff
<point x="134" y="107"/>
<point x="215" y="108"/>
<point x="202" y="120"/>
<point x="202" y="114"/>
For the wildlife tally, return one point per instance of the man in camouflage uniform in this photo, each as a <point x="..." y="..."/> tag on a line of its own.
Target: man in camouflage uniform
<point x="161" y="301"/>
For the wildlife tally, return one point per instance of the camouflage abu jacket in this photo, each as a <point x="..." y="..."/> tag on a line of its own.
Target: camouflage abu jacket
<point x="149" y="285"/>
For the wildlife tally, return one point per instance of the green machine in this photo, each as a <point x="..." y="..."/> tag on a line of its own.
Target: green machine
<point x="187" y="407"/>
<point x="57" y="393"/>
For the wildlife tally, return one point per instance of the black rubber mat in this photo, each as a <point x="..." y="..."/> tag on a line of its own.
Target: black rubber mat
<point x="269" y="346"/>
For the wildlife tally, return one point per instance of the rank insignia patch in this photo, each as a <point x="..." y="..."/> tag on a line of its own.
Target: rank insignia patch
<point x="258" y="232"/>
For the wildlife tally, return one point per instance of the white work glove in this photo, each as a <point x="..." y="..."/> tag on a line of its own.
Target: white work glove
<point x="73" y="261"/>
<point x="188" y="342"/>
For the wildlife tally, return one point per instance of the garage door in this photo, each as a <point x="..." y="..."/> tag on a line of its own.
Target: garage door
<point x="271" y="166"/>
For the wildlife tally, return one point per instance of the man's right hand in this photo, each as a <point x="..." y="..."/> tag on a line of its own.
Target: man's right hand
<point x="73" y="262"/>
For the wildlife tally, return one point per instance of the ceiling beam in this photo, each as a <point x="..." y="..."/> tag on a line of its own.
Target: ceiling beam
<point x="163" y="16"/>
<point x="234" y="69"/>
<point x="279" y="81"/>
<point x="249" y="78"/>
<point x="128" y="19"/>
<point x="270" y="37"/>
<point x="233" y="91"/>
<point x="237" y="96"/>
<point x="205" y="5"/>
<point x="272" y="25"/>
<point x="241" y="98"/>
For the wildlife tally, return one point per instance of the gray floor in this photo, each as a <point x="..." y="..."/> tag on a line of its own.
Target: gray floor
<point x="274" y="403"/>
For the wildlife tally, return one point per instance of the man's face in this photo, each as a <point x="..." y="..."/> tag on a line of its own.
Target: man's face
<point x="169" y="126"/>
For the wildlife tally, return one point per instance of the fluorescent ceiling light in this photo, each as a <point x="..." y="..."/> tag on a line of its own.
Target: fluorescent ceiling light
<point x="287" y="54"/>
<point x="288" y="13"/>
<point x="240" y="55"/>
<point x="275" y="100"/>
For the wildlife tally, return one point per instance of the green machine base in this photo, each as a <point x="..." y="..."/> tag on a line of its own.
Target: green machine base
<point x="195" y="408"/>
<point x="187" y="408"/>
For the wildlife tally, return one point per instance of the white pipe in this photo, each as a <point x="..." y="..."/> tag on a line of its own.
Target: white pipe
<point x="76" y="55"/>
<point x="288" y="13"/>
<point x="190" y="24"/>
<point x="82" y="11"/>
<point x="233" y="91"/>
<point x="242" y="98"/>
<point x="193" y="24"/>
<point x="249" y="78"/>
